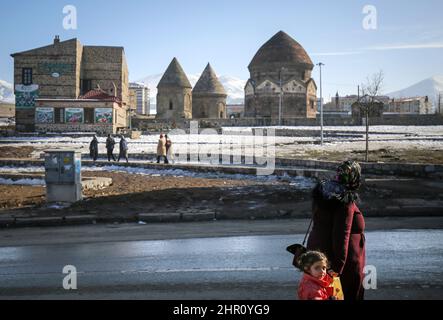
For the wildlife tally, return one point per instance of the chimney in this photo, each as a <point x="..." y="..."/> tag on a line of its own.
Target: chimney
<point x="57" y="39"/>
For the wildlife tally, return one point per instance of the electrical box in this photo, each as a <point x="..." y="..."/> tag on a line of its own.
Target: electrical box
<point x="63" y="175"/>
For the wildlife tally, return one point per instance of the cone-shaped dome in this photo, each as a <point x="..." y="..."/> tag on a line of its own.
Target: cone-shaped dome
<point x="209" y="83"/>
<point x="281" y="49"/>
<point x="174" y="76"/>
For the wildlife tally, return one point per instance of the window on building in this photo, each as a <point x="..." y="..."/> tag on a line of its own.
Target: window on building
<point x="221" y="114"/>
<point x="86" y="85"/>
<point x="89" y="115"/>
<point x="27" y="76"/>
<point x="171" y="105"/>
<point x="59" y="115"/>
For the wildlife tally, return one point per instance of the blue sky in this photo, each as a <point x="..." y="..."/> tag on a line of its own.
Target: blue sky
<point x="407" y="44"/>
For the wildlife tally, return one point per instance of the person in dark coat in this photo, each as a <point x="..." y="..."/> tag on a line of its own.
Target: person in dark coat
<point x="123" y="149"/>
<point x="93" y="148"/>
<point x="338" y="228"/>
<point x="110" y="143"/>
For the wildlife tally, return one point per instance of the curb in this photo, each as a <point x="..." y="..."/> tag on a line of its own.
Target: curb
<point x="400" y="169"/>
<point x="206" y="215"/>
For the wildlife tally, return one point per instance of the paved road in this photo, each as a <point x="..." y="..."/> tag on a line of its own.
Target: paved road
<point x="409" y="266"/>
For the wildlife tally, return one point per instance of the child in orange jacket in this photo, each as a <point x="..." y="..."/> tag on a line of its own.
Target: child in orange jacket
<point x="315" y="284"/>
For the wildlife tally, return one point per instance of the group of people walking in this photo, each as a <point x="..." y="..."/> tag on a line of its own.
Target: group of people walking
<point x="110" y="143"/>
<point x="164" y="148"/>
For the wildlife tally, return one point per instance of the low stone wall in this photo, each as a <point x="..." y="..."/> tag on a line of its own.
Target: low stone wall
<point x="328" y="120"/>
<point x="434" y="171"/>
<point x="65" y="127"/>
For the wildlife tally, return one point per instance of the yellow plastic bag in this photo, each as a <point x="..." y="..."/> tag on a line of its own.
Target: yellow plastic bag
<point x="338" y="291"/>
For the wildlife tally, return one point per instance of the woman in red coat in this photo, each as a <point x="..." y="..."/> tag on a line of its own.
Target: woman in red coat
<point x="338" y="228"/>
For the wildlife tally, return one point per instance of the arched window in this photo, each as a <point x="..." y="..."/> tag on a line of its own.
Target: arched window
<point x="171" y="105"/>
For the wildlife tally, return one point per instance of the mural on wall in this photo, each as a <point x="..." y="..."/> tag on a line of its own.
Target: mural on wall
<point x="25" y="95"/>
<point x="44" y="115"/>
<point x="74" y="115"/>
<point x="103" y="115"/>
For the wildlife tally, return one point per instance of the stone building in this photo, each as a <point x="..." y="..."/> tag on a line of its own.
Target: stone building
<point x="209" y="96"/>
<point x="95" y="111"/>
<point x="66" y="70"/>
<point x="174" y="96"/>
<point x="235" y="110"/>
<point x="281" y="64"/>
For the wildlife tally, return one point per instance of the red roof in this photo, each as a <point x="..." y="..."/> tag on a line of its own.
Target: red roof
<point x="99" y="94"/>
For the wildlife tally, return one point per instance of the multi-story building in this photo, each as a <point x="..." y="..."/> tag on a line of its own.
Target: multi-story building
<point x="416" y="105"/>
<point x="140" y="92"/>
<point x="344" y="104"/>
<point x="52" y="84"/>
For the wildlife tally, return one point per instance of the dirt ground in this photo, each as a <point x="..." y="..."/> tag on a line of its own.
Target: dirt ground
<point x="16" y="152"/>
<point x="132" y="194"/>
<point x="380" y="155"/>
<point x="14" y="196"/>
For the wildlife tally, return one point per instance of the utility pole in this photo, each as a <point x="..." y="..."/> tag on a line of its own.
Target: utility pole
<point x="280" y="102"/>
<point x="439" y="102"/>
<point x="320" y="64"/>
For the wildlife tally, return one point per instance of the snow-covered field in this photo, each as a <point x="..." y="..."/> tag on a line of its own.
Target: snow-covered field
<point x="351" y="139"/>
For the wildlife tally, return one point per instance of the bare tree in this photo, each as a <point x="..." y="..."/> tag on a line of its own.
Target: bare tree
<point x="370" y="90"/>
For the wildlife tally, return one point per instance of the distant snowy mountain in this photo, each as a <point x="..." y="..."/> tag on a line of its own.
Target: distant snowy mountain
<point x="429" y="87"/>
<point x="6" y="92"/>
<point x="234" y="87"/>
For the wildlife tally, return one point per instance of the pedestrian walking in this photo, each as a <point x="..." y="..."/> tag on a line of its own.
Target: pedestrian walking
<point x="123" y="149"/>
<point x="110" y="143"/>
<point x="338" y="228"/>
<point x="93" y="148"/>
<point x="169" y="152"/>
<point x="161" y="150"/>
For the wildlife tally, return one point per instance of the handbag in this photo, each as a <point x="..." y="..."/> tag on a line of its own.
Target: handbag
<point x="298" y="249"/>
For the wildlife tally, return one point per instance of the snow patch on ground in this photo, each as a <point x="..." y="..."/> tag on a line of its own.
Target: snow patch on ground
<point x="302" y="183"/>
<point x="23" y="182"/>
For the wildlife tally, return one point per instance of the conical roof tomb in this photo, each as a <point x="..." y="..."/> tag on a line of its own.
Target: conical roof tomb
<point x="174" y="76"/>
<point x="208" y="83"/>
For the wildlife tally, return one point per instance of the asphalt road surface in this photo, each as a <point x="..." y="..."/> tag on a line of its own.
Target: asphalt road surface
<point x="408" y="263"/>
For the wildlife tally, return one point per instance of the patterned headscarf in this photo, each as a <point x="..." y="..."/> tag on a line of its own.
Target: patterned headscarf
<point x="349" y="175"/>
<point x="344" y="187"/>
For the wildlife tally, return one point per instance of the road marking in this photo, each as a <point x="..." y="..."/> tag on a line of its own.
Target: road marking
<point x="205" y="270"/>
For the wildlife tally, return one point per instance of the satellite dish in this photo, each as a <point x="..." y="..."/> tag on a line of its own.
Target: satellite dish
<point x="56" y="75"/>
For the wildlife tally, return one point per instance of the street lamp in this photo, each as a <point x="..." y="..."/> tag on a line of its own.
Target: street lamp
<point x="320" y="64"/>
<point x="281" y="97"/>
